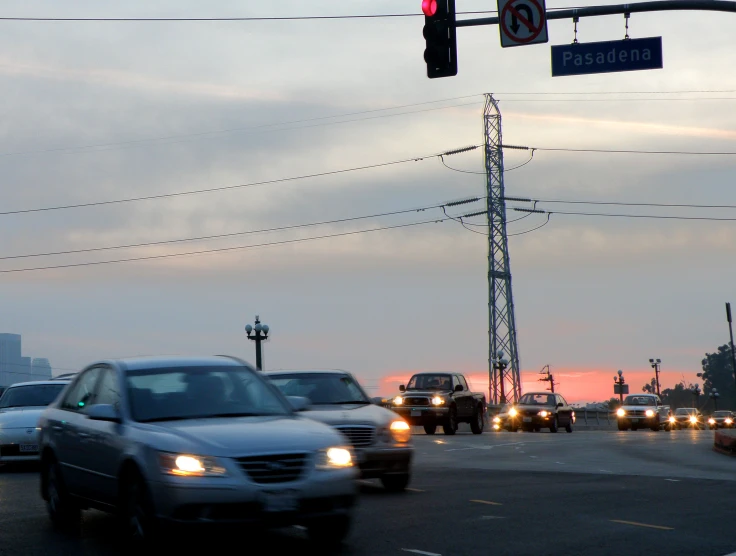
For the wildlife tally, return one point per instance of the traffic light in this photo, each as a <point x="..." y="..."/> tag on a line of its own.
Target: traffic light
<point x="439" y="33"/>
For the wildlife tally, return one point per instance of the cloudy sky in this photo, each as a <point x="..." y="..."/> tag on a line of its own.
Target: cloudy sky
<point x="105" y="111"/>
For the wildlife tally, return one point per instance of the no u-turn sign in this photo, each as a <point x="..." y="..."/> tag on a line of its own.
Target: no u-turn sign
<point x="522" y="22"/>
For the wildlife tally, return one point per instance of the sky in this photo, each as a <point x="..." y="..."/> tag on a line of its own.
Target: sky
<point x="108" y="111"/>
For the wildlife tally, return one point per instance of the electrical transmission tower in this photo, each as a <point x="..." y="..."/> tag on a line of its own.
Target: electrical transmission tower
<point x="502" y="324"/>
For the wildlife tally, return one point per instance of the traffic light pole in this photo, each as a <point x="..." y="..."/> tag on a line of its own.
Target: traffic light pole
<point x="614" y="9"/>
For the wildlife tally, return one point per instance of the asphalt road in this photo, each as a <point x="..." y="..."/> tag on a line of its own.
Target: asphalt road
<point x="586" y="493"/>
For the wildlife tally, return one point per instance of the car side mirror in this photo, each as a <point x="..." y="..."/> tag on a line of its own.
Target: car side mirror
<point x="402" y="388"/>
<point x="560" y="404"/>
<point x="104" y="412"/>
<point x="299" y="403"/>
<point x="458" y="388"/>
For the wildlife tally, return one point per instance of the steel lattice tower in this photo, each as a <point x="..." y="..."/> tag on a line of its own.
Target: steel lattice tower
<point x="504" y="383"/>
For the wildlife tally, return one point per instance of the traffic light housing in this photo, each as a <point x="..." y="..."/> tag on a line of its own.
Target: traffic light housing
<point x="439" y="33"/>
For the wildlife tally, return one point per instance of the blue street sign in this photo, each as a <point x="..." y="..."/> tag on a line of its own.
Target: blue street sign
<point x="607" y="57"/>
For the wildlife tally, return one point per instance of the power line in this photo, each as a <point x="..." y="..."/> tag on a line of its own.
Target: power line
<point x="652" y="216"/>
<point x="234" y="234"/>
<point x="616" y="151"/>
<point x="227" y="187"/>
<point x="224" y="249"/>
<point x="621" y="203"/>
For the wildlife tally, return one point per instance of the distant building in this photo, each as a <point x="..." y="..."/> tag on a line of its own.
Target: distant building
<point x="16" y="368"/>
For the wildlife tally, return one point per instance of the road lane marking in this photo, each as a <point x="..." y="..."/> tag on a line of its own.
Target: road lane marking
<point x="605" y="471"/>
<point x="415" y="551"/>
<point x="643" y="525"/>
<point x="673" y="480"/>
<point x="487" y="502"/>
<point x="459" y="449"/>
<point x="414" y="489"/>
<point x="492" y="517"/>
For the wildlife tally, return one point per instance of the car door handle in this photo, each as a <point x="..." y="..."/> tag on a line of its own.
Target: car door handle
<point x="84" y="435"/>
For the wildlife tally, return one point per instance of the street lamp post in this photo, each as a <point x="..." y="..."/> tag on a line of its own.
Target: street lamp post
<point x="714" y="395"/>
<point x="260" y="333"/>
<point x="696" y="393"/>
<point x="656" y="364"/>
<point x="500" y="365"/>
<point x="620" y="382"/>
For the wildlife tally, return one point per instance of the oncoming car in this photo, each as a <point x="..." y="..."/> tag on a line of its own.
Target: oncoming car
<point x="721" y="420"/>
<point x="380" y="437"/>
<point x="162" y="441"/>
<point x="21" y="406"/>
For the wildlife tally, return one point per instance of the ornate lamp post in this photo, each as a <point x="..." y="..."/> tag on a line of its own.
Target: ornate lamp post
<point x="656" y="364"/>
<point x="260" y="334"/>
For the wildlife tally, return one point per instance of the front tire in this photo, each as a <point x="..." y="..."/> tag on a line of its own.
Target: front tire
<point x="478" y="422"/>
<point x="568" y="427"/>
<point x="65" y="515"/>
<point x="450" y="427"/>
<point x="139" y="518"/>
<point x="330" y="531"/>
<point x="554" y="425"/>
<point x="430" y="429"/>
<point x="395" y="483"/>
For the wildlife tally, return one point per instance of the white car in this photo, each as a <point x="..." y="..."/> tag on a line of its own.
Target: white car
<point x="21" y="406"/>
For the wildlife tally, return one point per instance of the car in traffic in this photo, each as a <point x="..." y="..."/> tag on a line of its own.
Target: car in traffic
<point x="180" y="440"/>
<point x="380" y="437"/>
<point x="507" y="419"/>
<point x="543" y="410"/>
<point x="687" y="418"/>
<point x="721" y="420"/>
<point x="643" y="411"/>
<point x="21" y="406"/>
<point x="432" y="399"/>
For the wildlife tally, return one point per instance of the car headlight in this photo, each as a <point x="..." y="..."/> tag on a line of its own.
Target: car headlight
<point x="513" y="412"/>
<point x="693" y="419"/>
<point x="621" y="412"/>
<point x="543" y="413"/>
<point x="398" y="400"/>
<point x="334" y="458"/>
<point x="673" y="420"/>
<point x="711" y="421"/>
<point x="496" y="419"/>
<point x="649" y="413"/>
<point x="729" y="421"/>
<point x="400" y="431"/>
<point x="186" y="465"/>
<point x="437" y="400"/>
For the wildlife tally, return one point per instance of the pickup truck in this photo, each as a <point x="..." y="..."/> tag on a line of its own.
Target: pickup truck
<point x="431" y="399"/>
<point x="643" y="411"/>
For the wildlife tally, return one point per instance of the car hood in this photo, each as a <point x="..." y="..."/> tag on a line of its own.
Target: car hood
<point x="241" y="436"/>
<point x="20" y="417"/>
<point x="351" y="414"/>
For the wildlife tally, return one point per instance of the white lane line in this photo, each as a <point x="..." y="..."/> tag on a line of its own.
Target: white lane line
<point x="460" y="449"/>
<point x="605" y="471"/>
<point x="559" y="463"/>
<point x="677" y="481"/>
<point x="533" y="457"/>
<point x="415" y="551"/>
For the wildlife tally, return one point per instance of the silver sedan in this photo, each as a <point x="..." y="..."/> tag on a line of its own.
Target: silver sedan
<point x="183" y="440"/>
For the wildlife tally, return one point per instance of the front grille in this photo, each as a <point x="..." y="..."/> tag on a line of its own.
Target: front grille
<point x="10" y="450"/>
<point x="416" y="401"/>
<point x="528" y="412"/>
<point x="279" y="468"/>
<point x="637" y="413"/>
<point x="358" y="436"/>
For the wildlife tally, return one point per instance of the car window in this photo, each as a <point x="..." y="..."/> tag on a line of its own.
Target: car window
<point x="108" y="389"/>
<point x="461" y="381"/>
<point x="321" y="388"/>
<point x="430" y="382"/>
<point x="32" y="395"/>
<point x="79" y="395"/>
<point x="537" y="399"/>
<point x="455" y="381"/>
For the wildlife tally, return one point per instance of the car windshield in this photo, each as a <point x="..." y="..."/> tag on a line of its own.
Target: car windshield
<point x="178" y="393"/>
<point x="639" y="400"/>
<point x="722" y="414"/>
<point x="32" y="395"/>
<point x="537" y="399"/>
<point x="430" y="382"/>
<point x="321" y="388"/>
<point x="685" y="411"/>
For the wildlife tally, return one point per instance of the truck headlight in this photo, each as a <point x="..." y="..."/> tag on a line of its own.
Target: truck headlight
<point x="711" y="421"/>
<point x="437" y="400"/>
<point x="729" y="421"/>
<point x="513" y="412"/>
<point x="185" y="465"/>
<point x="398" y="400"/>
<point x="673" y="420"/>
<point x="334" y="458"/>
<point x="649" y="413"/>
<point x="621" y="412"/>
<point x="693" y="419"/>
<point x="543" y="413"/>
<point x="400" y="431"/>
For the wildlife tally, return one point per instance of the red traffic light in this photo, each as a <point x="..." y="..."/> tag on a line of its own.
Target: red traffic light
<point x="429" y="7"/>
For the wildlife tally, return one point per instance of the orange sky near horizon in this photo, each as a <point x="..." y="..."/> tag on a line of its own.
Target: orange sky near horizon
<point x="577" y="385"/>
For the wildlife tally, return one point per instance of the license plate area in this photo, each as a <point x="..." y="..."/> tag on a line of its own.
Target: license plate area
<point x="26" y="448"/>
<point x="277" y="501"/>
<point x="527" y="419"/>
<point x="416" y="412"/>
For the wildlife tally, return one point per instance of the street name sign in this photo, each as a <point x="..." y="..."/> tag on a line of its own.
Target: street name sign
<point x="607" y="57"/>
<point x="522" y="22"/>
